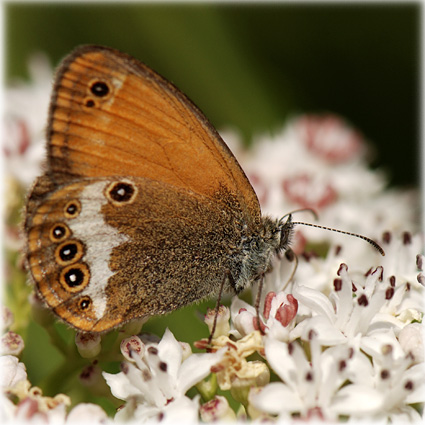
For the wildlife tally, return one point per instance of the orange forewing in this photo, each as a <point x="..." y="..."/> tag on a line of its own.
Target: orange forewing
<point x="144" y="127"/>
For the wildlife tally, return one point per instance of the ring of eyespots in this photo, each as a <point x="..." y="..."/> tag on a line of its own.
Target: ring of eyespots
<point x="121" y="193"/>
<point x="98" y="90"/>
<point x="75" y="277"/>
<point x="72" y="209"/>
<point x="69" y="252"/>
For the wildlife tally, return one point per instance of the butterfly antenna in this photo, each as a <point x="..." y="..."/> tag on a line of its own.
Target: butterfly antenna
<point x="316" y="216"/>
<point x="371" y="241"/>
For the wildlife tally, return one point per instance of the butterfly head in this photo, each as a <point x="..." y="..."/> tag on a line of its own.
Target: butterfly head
<point x="285" y="229"/>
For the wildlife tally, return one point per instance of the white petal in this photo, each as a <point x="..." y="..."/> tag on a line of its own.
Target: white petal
<point x="121" y="387"/>
<point x="360" y="369"/>
<point x="372" y="345"/>
<point x="275" y="398"/>
<point x="197" y="367"/>
<point x="411" y="339"/>
<point x="415" y="374"/>
<point x="382" y="322"/>
<point x="143" y="413"/>
<point x="344" y="299"/>
<point x="277" y="331"/>
<point x="171" y="352"/>
<point x="289" y="367"/>
<point x="243" y="322"/>
<point x="12" y="371"/>
<point x="87" y="413"/>
<point x="7" y="411"/>
<point x="368" y="313"/>
<point x="181" y="411"/>
<point x="358" y="400"/>
<point x="237" y="304"/>
<point x="315" y="300"/>
<point x="326" y="332"/>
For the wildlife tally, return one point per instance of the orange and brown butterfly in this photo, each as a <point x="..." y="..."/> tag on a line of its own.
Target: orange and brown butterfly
<point x="143" y="208"/>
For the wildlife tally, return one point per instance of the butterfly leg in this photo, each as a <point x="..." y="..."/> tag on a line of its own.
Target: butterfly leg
<point x="227" y="275"/>
<point x="291" y="256"/>
<point x="257" y="304"/>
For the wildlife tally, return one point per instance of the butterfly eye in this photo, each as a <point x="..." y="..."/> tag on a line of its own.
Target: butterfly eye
<point x="59" y="232"/>
<point x="120" y="193"/>
<point x="74" y="278"/>
<point x="100" y="88"/>
<point x="69" y="252"/>
<point x="84" y="303"/>
<point x="72" y="209"/>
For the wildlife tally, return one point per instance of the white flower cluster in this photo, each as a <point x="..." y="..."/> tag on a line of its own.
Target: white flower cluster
<point x="354" y="349"/>
<point x="156" y="377"/>
<point x="341" y="339"/>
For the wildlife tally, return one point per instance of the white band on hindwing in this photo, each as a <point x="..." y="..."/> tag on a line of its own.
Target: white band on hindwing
<point x="100" y="239"/>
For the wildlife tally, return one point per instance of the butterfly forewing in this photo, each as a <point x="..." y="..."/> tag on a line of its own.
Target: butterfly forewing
<point x="112" y="115"/>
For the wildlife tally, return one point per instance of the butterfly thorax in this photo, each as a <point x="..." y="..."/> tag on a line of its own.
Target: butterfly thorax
<point x="257" y="250"/>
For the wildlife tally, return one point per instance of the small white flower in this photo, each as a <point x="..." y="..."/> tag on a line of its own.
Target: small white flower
<point x="91" y="377"/>
<point x="222" y="320"/>
<point x="401" y="256"/>
<point x="396" y="377"/>
<point x="7" y="317"/>
<point x="234" y="371"/>
<point x="30" y="410"/>
<point x="132" y="347"/>
<point x="310" y="388"/>
<point x="31" y="405"/>
<point x="330" y="137"/>
<point x="356" y="305"/>
<point x="155" y="384"/>
<point x="12" y="371"/>
<point x="88" y="344"/>
<point x="411" y="339"/>
<point x="217" y="409"/>
<point x="87" y="413"/>
<point x="11" y="343"/>
<point x="317" y="272"/>
<point x="276" y="317"/>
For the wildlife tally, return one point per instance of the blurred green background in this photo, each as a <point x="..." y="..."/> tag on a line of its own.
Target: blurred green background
<point x="250" y="66"/>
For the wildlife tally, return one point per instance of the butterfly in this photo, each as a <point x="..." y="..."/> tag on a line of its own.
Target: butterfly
<point x="142" y="208"/>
